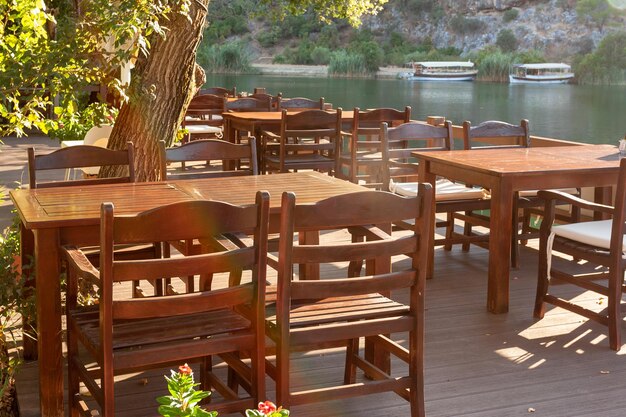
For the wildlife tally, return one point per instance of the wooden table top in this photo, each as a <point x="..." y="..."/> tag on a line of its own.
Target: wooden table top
<point x="515" y="161"/>
<point x="273" y="116"/>
<point x="80" y="205"/>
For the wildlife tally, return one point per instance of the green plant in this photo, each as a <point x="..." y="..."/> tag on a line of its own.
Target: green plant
<point x="73" y="125"/>
<point x="494" y="66"/>
<point x="510" y="15"/>
<point x="346" y="63"/>
<point x="506" y="40"/>
<point x="16" y="300"/>
<point x="267" y="409"/>
<point x="464" y="25"/>
<point x="229" y="57"/>
<point x="320" y="55"/>
<point x="606" y="65"/>
<point x="184" y="398"/>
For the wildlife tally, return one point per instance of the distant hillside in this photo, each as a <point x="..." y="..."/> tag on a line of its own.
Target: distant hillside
<point x="559" y="29"/>
<point x="590" y="34"/>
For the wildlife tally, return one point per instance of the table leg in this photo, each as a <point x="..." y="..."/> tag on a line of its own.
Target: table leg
<point x="49" y="322"/>
<point x="27" y="253"/>
<point x="500" y="225"/>
<point x="309" y="271"/>
<point x="602" y="195"/>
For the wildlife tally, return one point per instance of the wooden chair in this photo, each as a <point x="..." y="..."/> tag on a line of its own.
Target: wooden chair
<point x="248" y="104"/>
<point x="122" y="336"/>
<point x="206" y="151"/>
<point x="400" y="175"/>
<point x="203" y="119"/>
<point x="601" y="244"/>
<point x="361" y="163"/>
<point x="95" y="157"/>
<point x="299" y="103"/>
<point x="307" y="140"/>
<point x="311" y="314"/>
<point x="218" y="91"/>
<point x="81" y="156"/>
<point x="496" y="134"/>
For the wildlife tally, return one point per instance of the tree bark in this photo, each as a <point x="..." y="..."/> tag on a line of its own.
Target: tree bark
<point x="159" y="92"/>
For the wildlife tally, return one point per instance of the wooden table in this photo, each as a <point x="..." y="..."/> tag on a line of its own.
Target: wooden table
<point x="505" y="171"/>
<point x="71" y="215"/>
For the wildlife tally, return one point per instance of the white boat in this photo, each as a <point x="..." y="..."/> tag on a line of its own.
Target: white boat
<point x="548" y="73"/>
<point x="443" y="71"/>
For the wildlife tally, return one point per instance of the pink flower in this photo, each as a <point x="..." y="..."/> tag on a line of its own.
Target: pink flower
<point x="267" y="407"/>
<point x="185" y="369"/>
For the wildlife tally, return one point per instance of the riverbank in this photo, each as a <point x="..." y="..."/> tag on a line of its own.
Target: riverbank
<point x="316" y="70"/>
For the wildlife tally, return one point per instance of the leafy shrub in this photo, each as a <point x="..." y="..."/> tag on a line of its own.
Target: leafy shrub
<point x="373" y="55"/>
<point x="464" y="25"/>
<point x="607" y="65"/>
<point x="420" y="6"/>
<point x="510" y="15"/>
<point x="529" y="57"/>
<point x="320" y="55"/>
<point x="506" y="40"/>
<point x="268" y="38"/>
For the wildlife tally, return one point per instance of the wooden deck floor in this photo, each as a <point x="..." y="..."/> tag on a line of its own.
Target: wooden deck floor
<point x="476" y="363"/>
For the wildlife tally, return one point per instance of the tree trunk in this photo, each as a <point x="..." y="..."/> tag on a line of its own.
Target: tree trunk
<point x="159" y="92"/>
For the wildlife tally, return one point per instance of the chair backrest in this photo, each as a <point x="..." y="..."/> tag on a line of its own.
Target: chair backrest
<point x="273" y="101"/>
<point x="206" y="150"/>
<point x="218" y="91"/>
<point x="300" y="103"/>
<point x="80" y="157"/>
<point x="399" y="142"/>
<point x="260" y="90"/>
<point x="97" y="133"/>
<point x="204" y="107"/>
<point x="248" y="104"/>
<point x="358" y="211"/>
<point x="206" y="221"/>
<point x="495" y="134"/>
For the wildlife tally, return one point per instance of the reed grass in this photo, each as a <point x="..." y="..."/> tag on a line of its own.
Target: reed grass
<point x="230" y="57"/>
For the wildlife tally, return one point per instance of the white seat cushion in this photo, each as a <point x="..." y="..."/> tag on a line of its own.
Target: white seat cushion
<point x="595" y="233"/>
<point x="203" y="129"/>
<point x="444" y="190"/>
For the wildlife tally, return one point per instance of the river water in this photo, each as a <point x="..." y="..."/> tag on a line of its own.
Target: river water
<point x="592" y="114"/>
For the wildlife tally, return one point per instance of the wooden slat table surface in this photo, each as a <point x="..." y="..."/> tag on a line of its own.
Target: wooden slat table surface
<point x="505" y="171"/>
<point x="71" y="215"/>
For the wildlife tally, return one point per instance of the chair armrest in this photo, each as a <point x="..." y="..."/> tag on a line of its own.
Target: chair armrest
<point x="78" y="261"/>
<point x="370" y="232"/>
<point x="562" y="197"/>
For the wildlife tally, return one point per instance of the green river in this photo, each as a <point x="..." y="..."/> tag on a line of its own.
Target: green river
<point x="593" y="114"/>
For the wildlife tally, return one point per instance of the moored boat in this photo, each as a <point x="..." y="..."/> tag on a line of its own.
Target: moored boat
<point x="546" y="73"/>
<point x="443" y="71"/>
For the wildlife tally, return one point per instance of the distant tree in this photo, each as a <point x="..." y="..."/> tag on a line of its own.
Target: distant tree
<point x="598" y="10"/>
<point x="506" y="40"/>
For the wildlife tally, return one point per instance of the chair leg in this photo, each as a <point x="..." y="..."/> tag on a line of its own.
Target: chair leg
<point x="616" y="275"/>
<point x="282" y="374"/>
<point x="449" y="231"/>
<point x="206" y="367"/>
<point x="416" y="371"/>
<point x="352" y="350"/>
<point x="467" y="231"/>
<point x="73" y="383"/>
<point x="542" y="279"/>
